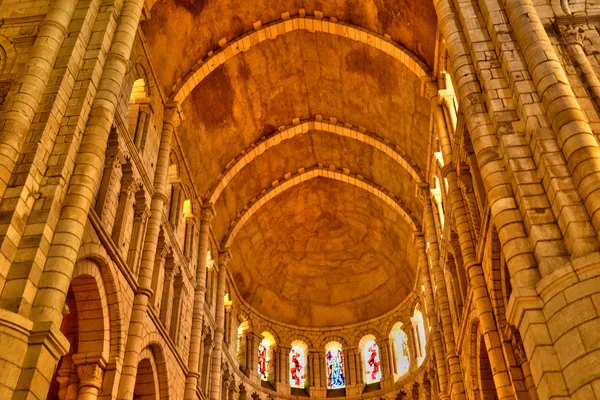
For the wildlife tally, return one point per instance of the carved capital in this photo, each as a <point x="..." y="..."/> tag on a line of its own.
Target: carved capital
<point x="165" y="251"/>
<point x="423" y="193"/>
<point x="465" y="183"/>
<point x="113" y="162"/>
<point x="90" y="375"/>
<point x="208" y="213"/>
<point x="173" y="115"/>
<point x="224" y="257"/>
<point x="572" y="34"/>
<point x="141" y="216"/>
<point x="420" y="242"/>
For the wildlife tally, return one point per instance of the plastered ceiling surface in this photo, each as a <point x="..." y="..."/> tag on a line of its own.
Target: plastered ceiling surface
<point x="322" y="253"/>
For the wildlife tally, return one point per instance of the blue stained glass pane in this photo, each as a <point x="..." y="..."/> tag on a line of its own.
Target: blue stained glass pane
<point x="335" y="368"/>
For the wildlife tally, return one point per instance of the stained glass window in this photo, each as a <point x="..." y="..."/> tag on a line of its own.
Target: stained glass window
<point x="370" y="354"/>
<point x="297" y="367"/>
<point x="419" y="335"/>
<point x="263" y="360"/>
<point x="334" y="359"/>
<point x="401" y="349"/>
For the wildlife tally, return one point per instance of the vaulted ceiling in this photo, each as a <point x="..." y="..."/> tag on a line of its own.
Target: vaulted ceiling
<point x="309" y="132"/>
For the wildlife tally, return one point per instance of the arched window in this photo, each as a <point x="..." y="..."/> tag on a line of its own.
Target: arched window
<point x="401" y="351"/>
<point x="265" y="355"/>
<point x="334" y="366"/>
<point x="419" y="335"/>
<point x="298" y="365"/>
<point x="371" y="360"/>
<point x="243" y="345"/>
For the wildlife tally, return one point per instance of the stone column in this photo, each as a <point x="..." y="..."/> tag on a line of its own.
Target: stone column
<point x="168" y="295"/>
<point x="174" y="214"/>
<point x="191" y="382"/>
<point x="90" y="375"/>
<point x="158" y="275"/>
<point x="482" y="302"/>
<point x="137" y="235"/>
<point x="142" y="126"/>
<point x="20" y="107"/>
<point x="141" y="299"/>
<point x="455" y="379"/>
<point x="284" y="371"/>
<point x="435" y="335"/>
<point x="255" y="340"/>
<point x="572" y="36"/>
<point x="45" y="341"/>
<point x="215" y="385"/>
<point x="120" y="232"/>
<point x="385" y="366"/>
<point x="110" y="178"/>
<point x="189" y="236"/>
<point x="206" y="362"/>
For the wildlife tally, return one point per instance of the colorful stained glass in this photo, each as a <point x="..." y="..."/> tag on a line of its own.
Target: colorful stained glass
<point x="372" y="362"/>
<point x="263" y="361"/>
<point x="335" y="368"/>
<point x="297" y="367"/>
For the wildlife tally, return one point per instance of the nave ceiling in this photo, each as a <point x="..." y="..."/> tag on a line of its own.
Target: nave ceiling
<point x="317" y="252"/>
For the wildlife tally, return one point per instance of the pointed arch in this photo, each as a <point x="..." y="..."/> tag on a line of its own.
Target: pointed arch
<point x="271" y="31"/>
<point x="302" y="127"/>
<point x="304" y="175"/>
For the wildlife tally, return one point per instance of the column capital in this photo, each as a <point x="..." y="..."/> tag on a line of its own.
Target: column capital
<point x="446" y="169"/>
<point x="208" y="213"/>
<point x="423" y="191"/>
<point x="420" y="241"/>
<point x="572" y="34"/>
<point x="173" y="114"/>
<point x="224" y="257"/>
<point x="90" y="369"/>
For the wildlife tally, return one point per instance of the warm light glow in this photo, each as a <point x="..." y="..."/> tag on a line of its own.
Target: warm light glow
<point x="187" y="208"/>
<point x="419" y="335"/>
<point x="401" y="350"/>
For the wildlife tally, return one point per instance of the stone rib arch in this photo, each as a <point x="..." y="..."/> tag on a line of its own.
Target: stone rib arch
<point x="302" y="127"/>
<point x="272" y="30"/>
<point x="90" y="293"/>
<point x="97" y="253"/>
<point x="290" y="180"/>
<point x="366" y="331"/>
